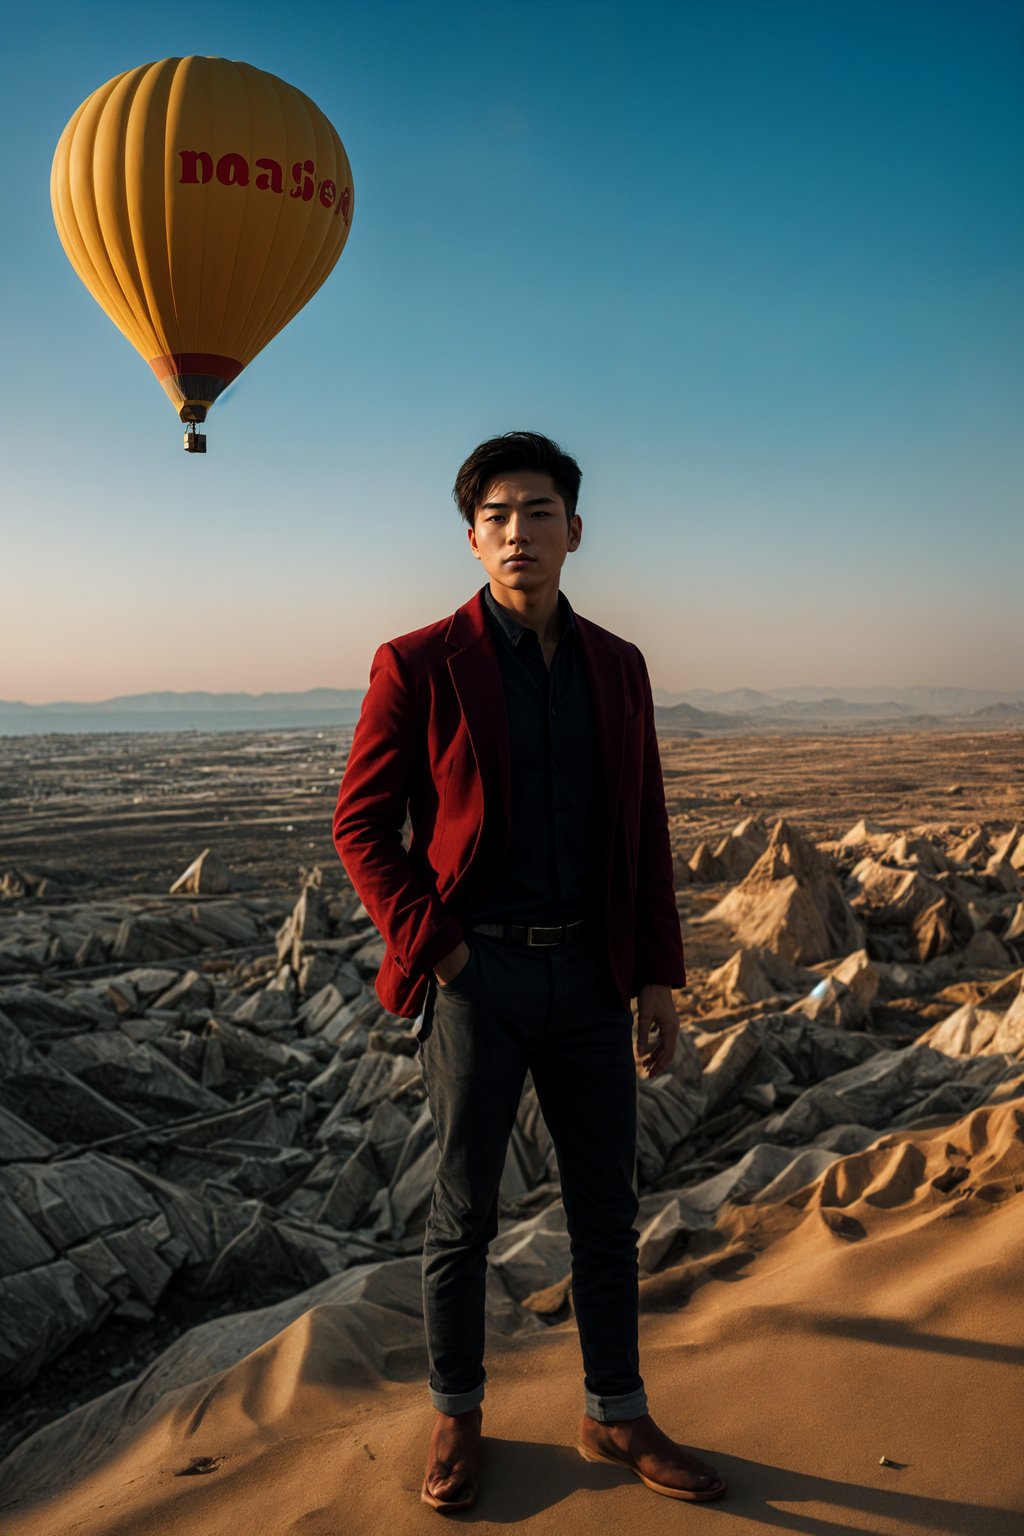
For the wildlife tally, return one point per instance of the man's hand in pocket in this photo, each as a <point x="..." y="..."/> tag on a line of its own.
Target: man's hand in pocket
<point x="452" y="963"/>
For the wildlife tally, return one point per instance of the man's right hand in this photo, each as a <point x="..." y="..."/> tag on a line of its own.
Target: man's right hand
<point x="451" y="964"/>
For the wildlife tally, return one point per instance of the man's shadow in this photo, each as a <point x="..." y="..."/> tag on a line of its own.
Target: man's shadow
<point x="521" y="1478"/>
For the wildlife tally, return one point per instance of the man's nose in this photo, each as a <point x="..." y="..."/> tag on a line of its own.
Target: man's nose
<point x="518" y="533"/>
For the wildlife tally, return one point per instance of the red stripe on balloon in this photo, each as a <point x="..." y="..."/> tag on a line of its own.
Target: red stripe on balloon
<point x="173" y="364"/>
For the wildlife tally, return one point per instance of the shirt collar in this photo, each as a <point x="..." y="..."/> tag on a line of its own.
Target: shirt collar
<point x="513" y="631"/>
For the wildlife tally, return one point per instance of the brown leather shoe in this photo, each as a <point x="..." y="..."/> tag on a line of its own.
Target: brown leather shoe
<point x="616" y="1456"/>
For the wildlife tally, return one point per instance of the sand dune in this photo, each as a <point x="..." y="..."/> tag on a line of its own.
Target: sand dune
<point x="874" y="1313"/>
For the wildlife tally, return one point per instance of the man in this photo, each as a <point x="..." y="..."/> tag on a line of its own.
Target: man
<point x="534" y="900"/>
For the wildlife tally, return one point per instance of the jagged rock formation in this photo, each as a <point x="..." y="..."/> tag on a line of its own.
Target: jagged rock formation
<point x="207" y="875"/>
<point x="791" y="902"/>
<point x="214" y="1099"/>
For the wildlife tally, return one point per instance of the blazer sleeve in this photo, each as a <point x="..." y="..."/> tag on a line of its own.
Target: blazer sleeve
<point x="658" y="945"/>
<point x="387" y="745"/>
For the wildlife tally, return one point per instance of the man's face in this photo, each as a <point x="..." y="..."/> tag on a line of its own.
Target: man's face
<point x="520" y="532"/>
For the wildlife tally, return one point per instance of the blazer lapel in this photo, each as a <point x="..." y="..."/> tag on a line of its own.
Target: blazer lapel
<point x="477" y="681"/>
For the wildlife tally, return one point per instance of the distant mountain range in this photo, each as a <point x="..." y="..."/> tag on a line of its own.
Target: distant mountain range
<point x="808" y="708"/>
<point x="167" y="711"/>
<point x="698" y="710"/>
<point x="917" y="699"/>
<point x="219" y="703"/>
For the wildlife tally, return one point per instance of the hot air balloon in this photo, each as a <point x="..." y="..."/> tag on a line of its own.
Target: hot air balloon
<point x="202" y="202"/>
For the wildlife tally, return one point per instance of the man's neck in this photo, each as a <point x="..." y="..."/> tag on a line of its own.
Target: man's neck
<point x="535" y="610"/>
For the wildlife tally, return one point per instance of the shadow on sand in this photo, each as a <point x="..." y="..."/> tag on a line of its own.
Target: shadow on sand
<point x="523" y="1478"/>
<point x="894" y="1334"/>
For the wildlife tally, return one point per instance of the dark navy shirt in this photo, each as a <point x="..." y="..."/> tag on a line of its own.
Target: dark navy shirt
<point x="549" y="872"/>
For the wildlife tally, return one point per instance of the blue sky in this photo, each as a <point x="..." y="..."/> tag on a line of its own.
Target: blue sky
<point x="760" y="266"/>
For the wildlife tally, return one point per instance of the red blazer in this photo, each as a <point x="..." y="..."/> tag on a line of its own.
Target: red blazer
<point x="432" y="740"/>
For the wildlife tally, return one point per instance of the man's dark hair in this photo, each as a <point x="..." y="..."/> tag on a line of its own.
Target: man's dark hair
<point x="508" y="453"/>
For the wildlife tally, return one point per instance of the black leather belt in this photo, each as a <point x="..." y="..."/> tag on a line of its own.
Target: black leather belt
<point x="536" y="935"/>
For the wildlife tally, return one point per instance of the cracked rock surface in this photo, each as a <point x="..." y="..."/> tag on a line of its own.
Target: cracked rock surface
<point x="209" y="1124"/>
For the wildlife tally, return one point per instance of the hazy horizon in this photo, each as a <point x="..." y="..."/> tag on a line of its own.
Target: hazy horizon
<point x="257" y="687"/>
<point x="783" y="691"/>
<point x="759" y="268"/>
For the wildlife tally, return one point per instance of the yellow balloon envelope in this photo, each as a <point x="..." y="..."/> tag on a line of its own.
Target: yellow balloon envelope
<point x="202" y="202"/>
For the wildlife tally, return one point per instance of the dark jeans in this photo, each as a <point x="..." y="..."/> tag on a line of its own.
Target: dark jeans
<point x="552" y="1012"/>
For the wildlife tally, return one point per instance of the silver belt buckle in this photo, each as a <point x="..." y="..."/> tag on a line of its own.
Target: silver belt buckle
<point x="543" y="943"/>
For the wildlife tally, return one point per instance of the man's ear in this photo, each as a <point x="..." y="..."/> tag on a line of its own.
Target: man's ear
<point x="575" y="531"/>
<point x="471" y="535"/>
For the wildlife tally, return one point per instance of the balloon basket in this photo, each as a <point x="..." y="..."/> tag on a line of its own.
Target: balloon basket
<point x="195" y="442"/>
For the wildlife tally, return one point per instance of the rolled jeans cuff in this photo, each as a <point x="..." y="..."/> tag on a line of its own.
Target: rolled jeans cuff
<point x="457" y="1402"/>
<point x="609" y="1410"/>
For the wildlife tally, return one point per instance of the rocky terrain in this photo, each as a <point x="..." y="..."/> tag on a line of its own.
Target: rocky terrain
<point x="205" y="1110"/>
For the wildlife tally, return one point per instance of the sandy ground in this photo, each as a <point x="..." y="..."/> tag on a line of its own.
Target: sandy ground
<point x="870" y="1315"/>
<point x="135" y="809"/>
<point x="791" y="1350"/>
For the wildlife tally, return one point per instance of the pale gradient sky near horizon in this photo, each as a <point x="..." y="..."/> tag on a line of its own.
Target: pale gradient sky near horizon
<point x="759" y="266"/>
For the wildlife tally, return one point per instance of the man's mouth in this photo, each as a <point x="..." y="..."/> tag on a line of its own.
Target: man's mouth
<point x="520" y="559"/>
